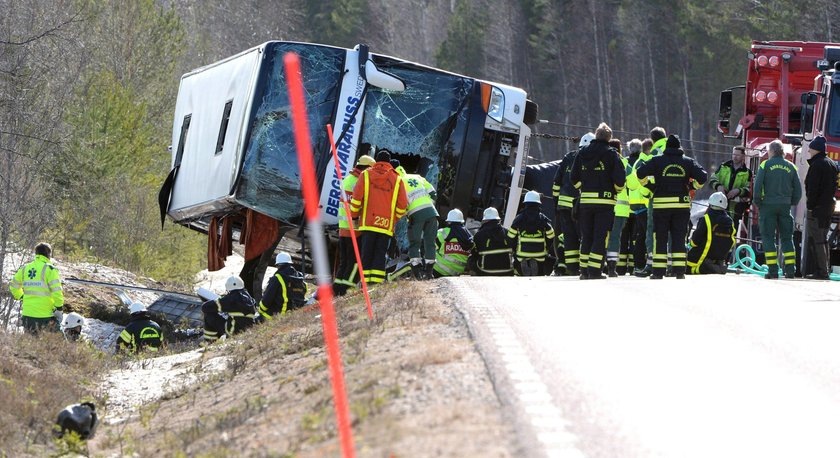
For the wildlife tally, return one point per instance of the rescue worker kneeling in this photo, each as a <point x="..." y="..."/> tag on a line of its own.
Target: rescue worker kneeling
<point x="712" y="240"/>
<point x="285" y="291"/>
<point x="238" y="307"/>
<point x="71" y="326"/>
<point x="142" y="333"/>
<point x="453" y="247"/>
<point x="533" y="235"/>
<point x="492" y="249"/>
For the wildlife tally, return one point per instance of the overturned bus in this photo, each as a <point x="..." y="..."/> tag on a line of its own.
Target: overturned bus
<point x="234" y="167"/>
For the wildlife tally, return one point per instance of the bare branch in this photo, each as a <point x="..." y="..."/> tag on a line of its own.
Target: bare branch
<point x="49" y="32"/>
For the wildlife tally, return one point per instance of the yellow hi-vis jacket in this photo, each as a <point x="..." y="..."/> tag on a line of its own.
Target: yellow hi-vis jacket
<point x="39" y="284"/>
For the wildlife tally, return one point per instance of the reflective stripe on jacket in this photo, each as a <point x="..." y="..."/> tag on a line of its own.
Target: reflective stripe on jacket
<point x="673" y="172"/>
<point x="347" y="186"/>
<point x="141" y="334"/>
<point x="379" y="199"/>
<point x="39" y="284"/>
<point x="599" y="174"/>
<point x="777" y="183"/>
<point x="419" y="193"/>
<point x="493" y="249"/>
<point x="713" y="239"/>
<point x="452" y="255"/>
<point x="730" y="179"/>
<point x="563" y="189"/>
<point x="532" y="232"/>
<point x="622" y="201"/>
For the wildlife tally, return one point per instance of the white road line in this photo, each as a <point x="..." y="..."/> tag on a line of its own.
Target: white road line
<point x="546" y="419"/>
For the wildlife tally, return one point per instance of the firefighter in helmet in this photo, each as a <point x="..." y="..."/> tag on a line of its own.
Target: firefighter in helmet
<point x="565" y="192"/>
<point x="142" y="333"/>
<point x="533" y="236"/>
<point x="492" y="249"/>
<point x="712" y="240"/>
<point x="285" y="290"/>
<point x="453" y="246"/>
<point x="71" y="326"/>
<point x="231" y="313"/>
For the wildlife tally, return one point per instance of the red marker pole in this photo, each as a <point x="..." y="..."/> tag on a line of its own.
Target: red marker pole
<point x="350" y="223"/>
<point x="319" y="251"/>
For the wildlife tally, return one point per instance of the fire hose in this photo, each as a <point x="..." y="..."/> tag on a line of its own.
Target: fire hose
<point x="745" y="262"/>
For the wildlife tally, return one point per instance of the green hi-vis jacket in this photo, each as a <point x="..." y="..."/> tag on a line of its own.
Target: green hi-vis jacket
<point x="730" y="179"/>
<point x="39" y="284"/>
<point x="777" y="183"/>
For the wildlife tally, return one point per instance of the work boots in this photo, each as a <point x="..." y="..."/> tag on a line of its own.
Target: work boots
<point x="417" y="270"/>
<point x="430" y="270"/>
<point x="611" y="265"/>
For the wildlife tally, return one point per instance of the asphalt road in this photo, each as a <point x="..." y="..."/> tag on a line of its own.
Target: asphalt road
<point x="710" y="366"/>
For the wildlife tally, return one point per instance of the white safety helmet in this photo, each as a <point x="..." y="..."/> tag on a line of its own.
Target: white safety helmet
<point x="137" y="307"/>
<point x="454" y="216"/>
<point x="72" y="320"/>
<point x="282" y="258"/>
<point x="532" y="197"/>
<point x="584" y="141"/>
<point x="718" y="200"/>
<point x="234" y="283"/>
<point x="490" y="213"/>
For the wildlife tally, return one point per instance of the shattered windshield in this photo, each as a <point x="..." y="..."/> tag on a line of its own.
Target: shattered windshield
<point x="270" y="180"/>
<point x="418" y="125"/>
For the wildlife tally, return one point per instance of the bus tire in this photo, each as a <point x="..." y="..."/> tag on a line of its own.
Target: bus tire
<point x="532" y="112"/>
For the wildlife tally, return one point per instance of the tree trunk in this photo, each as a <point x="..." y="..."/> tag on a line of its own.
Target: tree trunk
<point x="653" y="85"/>
<point x="688" y="104"/>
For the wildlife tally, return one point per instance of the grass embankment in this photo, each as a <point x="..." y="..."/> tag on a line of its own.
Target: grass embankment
<point x="39" y="376"/>
<point x="416" y="387"/>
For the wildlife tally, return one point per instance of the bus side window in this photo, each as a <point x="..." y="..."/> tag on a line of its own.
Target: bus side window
<point x="185" y="128"/>
<point x="220" y="141"/>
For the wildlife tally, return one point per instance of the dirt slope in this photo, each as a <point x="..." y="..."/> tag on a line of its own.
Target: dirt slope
<point x="416" y="386"/>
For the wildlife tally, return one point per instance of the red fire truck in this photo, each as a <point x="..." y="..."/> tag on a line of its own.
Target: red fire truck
<point x="792" y="93"/>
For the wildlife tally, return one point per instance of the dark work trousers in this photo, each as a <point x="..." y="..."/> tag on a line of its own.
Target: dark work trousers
<point x="819" y="221"/>
<point x="626" y="256"/>
<point x="214" y="324"/>
<point x="571" y="239"/>
<point x="595" y="224"/>
<point x="35" y="325"/>
<point x="346" y="276"/>
<point x="640" y="224"/>
<point x="670" y="223"/>
<point x="374" y="247"/>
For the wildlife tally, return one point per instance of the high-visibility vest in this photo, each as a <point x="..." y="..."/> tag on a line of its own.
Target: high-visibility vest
<point x="39" y="284"/>
<point x="622" y="200"/>
<point x="347" y="186"/>
<point x="418" y="190"/>
<point x="451" y="259"/>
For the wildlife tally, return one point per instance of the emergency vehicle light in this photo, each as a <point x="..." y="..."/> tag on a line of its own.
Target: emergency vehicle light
<point x="772" y="97"/>
<point x="761" y="61"/>
<point x="774" y="61"/>
<point x="760" y="96"/>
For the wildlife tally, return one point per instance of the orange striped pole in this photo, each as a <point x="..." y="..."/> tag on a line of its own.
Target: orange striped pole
<point x="319" y="251"/>
<point x="350" y="223"/>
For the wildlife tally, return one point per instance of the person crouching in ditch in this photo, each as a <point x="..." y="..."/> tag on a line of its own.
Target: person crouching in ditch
<point x="238" y="306"/>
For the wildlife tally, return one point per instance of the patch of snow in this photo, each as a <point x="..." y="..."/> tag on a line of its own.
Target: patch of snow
<point x="101" y="334"/>
<point x="145" y="381"/>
